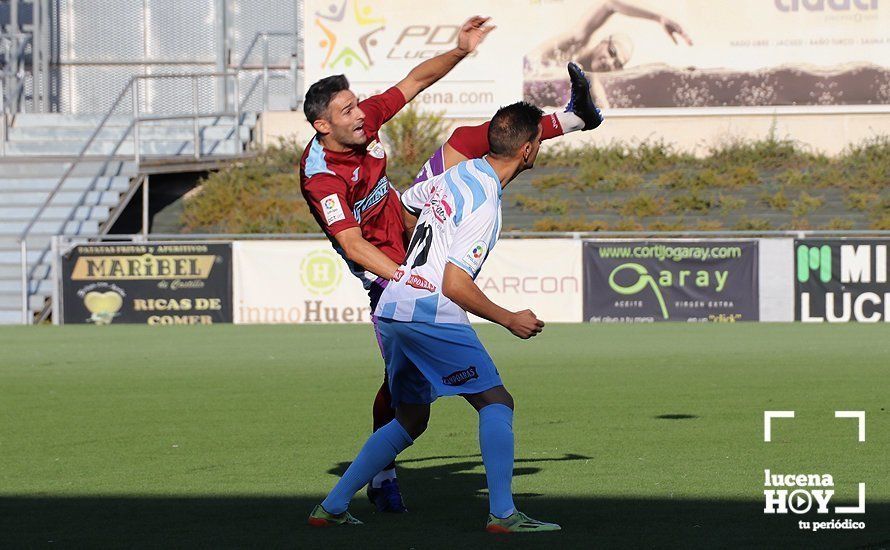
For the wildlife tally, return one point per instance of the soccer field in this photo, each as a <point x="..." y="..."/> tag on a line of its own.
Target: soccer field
<point x="629" y="436"/>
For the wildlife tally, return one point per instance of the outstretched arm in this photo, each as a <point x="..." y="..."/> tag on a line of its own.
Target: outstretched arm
<point x="672" y="28"/>
<point x="573" y="41"/>
<point x="430" y="71"/>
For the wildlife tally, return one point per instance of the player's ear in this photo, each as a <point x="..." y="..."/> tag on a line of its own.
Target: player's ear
<point x="322" y="126"/>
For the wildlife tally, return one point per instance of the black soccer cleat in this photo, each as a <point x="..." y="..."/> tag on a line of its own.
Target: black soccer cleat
<point x="581" y="100"/>
<point x="387" y="498"/>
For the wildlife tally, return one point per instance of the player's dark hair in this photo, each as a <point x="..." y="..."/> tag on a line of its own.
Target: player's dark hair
<point x="320" y="94"/>
<point x="511" y="127"/>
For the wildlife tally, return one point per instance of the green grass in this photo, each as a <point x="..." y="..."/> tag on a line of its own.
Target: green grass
<point x="227" y="436"/>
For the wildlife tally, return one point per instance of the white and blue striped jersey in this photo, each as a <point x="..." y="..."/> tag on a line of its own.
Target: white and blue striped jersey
<point x="459" y="220"/>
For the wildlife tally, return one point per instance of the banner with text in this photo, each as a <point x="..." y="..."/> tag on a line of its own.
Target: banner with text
<point x="639" y="53"/>
<point x="307" y="282"/>
<point x="837" y="281"/>
<point x="653" y="281"/>
<point x="152" y="283"/>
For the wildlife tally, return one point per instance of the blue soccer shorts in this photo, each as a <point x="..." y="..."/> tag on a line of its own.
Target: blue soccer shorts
<point x="425" y="361"/>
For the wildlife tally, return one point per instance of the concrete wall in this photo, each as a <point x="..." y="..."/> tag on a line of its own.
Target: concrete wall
<point x="827" y="133"/>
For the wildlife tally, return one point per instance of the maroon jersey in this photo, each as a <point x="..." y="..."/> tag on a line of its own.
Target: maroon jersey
<point x="350" y="189"/>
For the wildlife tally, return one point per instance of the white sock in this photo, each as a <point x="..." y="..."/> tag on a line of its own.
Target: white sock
<point x="570" y="122"/>
<point x="385" y="475"/>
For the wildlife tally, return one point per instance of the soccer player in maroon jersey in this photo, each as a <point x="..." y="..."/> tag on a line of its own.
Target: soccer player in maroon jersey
<point x="343" y="179"/>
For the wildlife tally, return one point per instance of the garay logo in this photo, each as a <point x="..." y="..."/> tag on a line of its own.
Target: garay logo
<point x="349" y="29"/>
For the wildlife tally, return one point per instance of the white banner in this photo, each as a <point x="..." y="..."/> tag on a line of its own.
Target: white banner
<point x="294" y="282"/>
<point x="545" y="276"/>
<point x="639" y="53"/>
<point x="307" y="282"/>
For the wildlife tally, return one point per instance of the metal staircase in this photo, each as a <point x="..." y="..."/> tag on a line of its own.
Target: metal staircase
<point x="74" y="174"/>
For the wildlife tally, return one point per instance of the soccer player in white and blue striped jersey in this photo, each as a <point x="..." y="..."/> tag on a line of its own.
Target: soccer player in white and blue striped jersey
<point x="429" y="347"/>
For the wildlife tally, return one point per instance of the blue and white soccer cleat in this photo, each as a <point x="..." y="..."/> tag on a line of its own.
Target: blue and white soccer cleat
<point x="387" y="498"/>
<point x="581" y="101"/>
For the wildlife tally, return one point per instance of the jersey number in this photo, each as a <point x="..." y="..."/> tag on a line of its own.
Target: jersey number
<point x="423" y="233"/>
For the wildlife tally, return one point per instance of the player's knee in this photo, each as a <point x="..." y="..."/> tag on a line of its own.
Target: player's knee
<point x="414" y="419"/>
<point x="503" y="398"/>
<point x="494" y="396"/>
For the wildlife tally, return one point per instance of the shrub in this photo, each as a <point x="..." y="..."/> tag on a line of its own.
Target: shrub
<point x="551" y="181"/>
<point x="777" y="201"/>
<point x="627" y="224"/>
<point x="542" y="206"/>
<point x="691" y="202"/>
<point x="861" y="201"/>
<point x="728" y="203"/>
<point x="564" y="224"/>
<point x="412" y="137"/>
<point x="643" y="205"/>
<point x="881" y="222"/>
<point x="805" y="204"/>
<point x="840" y="224"/>
<point x="662" y="225"/>
<point x="709" y="225"/>
<point x="752" y="224"/>
<point x="261" y="195"/>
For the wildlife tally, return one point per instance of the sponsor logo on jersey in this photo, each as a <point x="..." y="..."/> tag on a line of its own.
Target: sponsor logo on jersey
<point x="397" y="276"/>
<point x="441" y="209"/>
<point x="376" y="150"/>
<point x="420" y="283"/>
<point x="461" y="377"/>
<point x="355" y="174"/>
<point x="333" y="212"/>
<point x="476" y="255"/>
<point x="373" y="199"/>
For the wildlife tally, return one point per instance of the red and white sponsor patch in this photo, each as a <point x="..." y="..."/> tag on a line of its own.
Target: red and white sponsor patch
<point x="419" y="282"/>
<point x="397" y="276"/>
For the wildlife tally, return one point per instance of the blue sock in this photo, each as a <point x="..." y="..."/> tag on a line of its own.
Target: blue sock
<point x="380" y="449"/>
<point x="496" y="442"/>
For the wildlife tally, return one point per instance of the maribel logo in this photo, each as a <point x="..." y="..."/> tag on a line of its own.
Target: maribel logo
<point x="144" y="267"/>
<point x="460" y="377"/>
<point x="349" y="27"/>
<point x="825" y="5"/>
<point x="420" y="283"/>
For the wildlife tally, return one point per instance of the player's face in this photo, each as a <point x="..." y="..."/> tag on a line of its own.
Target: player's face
<point x="605" y="58"/>
<point x="533" y="147"/>
<point x="346" y="120"/>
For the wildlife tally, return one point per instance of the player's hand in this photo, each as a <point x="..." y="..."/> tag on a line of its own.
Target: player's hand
<point x="525" y="324"/>
<point x="672" y="28"/>
<point x="472" y="33"/>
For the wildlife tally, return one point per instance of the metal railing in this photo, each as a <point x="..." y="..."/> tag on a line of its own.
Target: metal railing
<point x="243" y="66"/>
<point x="133" y="89"/>
<point x="4" y="122"/>
<point x="15" y="46"/>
